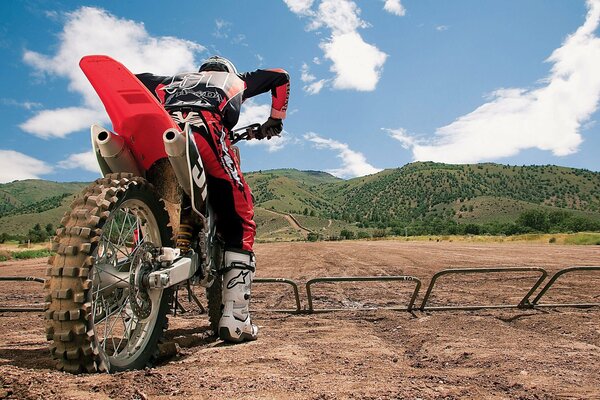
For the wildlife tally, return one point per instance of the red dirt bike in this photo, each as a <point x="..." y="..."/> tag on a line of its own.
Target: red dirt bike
<point x="116" y="267"/>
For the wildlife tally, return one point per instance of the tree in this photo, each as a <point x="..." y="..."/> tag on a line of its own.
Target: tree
<point x="346" y="234"/>
<point x="536" y="220"/>
<point x="50" y="229"/>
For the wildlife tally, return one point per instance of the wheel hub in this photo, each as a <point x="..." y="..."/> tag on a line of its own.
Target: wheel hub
<point x="141" y="266"/>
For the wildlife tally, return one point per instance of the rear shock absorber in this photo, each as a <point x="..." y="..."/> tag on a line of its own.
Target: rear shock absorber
<point x="186" y="230"/>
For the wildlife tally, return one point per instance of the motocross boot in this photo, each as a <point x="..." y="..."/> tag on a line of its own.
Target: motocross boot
<point x="235" y="324"/>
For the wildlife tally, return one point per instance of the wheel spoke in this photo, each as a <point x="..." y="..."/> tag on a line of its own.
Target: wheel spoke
<point x="123" y="314"/>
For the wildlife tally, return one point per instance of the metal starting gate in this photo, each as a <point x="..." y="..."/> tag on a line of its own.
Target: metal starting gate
<point x="525" y="302"/>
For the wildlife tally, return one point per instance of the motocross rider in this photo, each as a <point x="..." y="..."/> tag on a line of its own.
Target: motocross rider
<point x="210" y="100"/>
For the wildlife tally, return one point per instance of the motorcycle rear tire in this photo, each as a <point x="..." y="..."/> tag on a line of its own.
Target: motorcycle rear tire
<point x="77" y="305"/>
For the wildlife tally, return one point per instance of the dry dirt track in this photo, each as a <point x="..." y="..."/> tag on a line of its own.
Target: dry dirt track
<point x="498" y="354"/>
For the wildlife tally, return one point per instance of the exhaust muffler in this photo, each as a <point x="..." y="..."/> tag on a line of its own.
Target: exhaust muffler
<point x="175" y="146"/>
<point x="114" y="151"/>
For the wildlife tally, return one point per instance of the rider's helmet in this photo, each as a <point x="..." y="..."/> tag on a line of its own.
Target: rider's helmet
<point x="217" y="63"/>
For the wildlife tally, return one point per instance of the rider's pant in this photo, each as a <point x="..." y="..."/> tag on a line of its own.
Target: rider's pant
<point x="229" y="194"/>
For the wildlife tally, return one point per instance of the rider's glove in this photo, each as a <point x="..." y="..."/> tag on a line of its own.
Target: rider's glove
<point x="272" y="127"/>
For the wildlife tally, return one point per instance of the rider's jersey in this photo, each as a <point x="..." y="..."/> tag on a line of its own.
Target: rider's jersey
<point x="220" y="92"/>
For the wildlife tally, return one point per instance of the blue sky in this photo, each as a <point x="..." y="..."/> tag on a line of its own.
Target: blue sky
<point x="375" y="83"/>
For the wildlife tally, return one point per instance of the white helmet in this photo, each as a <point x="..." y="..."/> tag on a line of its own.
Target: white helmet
<point x="218" y="63"/>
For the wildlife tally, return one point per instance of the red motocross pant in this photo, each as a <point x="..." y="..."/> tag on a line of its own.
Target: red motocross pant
<point x="228" y="193"/>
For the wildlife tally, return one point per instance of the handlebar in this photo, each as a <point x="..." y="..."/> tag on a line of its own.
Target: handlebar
<point x="244" y="133"/>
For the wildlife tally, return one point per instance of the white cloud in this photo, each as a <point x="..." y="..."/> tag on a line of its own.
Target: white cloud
<point x="28" y="105"/>
<point x="394" y="7"/>
<point x="356" y="64"/>
<point x="306" y="76"/>
<point x="341" y="16"/>
<point x="91" y="30"/>
<point x="353" y="163"/>
<point x="315" y="87"/>
<point x="274" y="144"/>
<point x="312" y="85"/>
<point x="17" y="166"/>
<point x="300" y="6"/>
<point x="60" y="122"/>
<point x="253" y="113"/>
<point x="400" y="134"/>
<point x="441" y="28"/>
<point x="222" y="29"/>
<point x="548" y="117"/>
<point x="86" y="161"/>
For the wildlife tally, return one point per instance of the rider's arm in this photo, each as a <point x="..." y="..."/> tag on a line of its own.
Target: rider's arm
<point x="275" y="80"/>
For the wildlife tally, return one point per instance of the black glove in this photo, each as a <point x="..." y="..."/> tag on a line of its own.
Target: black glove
<point x="272" y="127"/>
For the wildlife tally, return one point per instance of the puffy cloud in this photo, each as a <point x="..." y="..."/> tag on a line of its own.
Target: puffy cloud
<point x="253" y="113"/>
<point x="300" y="6"/>
<point x="86" y="161"/>
<point x="353" y="163"/>
<point x="341" y="16"/>
<point x="62" y="121"/>
<point x="17" y="166"/>
<point x="91" y="30"/>
<point x="548" y="117"/>
<point x="394" y="7"/>
<point x="356" y="64"/>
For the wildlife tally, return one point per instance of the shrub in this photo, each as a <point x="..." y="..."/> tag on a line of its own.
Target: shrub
<point x="362" y="235"/>
<point x="379" y="233"/>
<point x="5" y="255"/>
<point x="346" y="234"/>
<point x="26" y="254"/>
<point x="313" y="237"/>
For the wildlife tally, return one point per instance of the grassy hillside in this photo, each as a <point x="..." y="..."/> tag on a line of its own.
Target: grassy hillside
<point x="34" y="195"/>
<point x="419" y="189"/>
<point x="418" y="198"/>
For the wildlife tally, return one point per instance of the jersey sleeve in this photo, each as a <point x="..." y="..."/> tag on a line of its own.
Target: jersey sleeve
<point x="154" y="83"/>
<point x="263" y="80"/>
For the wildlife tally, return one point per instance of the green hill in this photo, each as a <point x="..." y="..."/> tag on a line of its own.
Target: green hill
<point x="417" y="198"/>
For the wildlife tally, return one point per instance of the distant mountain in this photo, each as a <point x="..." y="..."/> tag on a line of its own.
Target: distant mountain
<point x="416" y="195"/>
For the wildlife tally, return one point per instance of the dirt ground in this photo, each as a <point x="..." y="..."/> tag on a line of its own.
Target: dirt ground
<point x="547" y="353"/>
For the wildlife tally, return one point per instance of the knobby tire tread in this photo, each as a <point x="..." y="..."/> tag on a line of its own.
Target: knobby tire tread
<point x="67" y="309"/>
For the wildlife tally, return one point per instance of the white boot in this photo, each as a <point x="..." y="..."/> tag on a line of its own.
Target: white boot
<point x="235" y="324"/>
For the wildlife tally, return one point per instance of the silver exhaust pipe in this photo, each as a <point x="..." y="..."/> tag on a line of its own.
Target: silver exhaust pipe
<point x="175" y="146"/>
<point x="114" y="151"/>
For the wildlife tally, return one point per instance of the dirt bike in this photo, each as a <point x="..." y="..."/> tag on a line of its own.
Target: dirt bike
<point x="116" y="267"/>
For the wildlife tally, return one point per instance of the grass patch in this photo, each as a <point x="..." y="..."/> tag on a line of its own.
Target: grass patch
<point x="5" y="255"/>
<point x="583" y="238"/>
<point x="26" y="254"/>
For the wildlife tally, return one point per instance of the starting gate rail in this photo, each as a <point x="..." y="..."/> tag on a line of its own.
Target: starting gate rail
<point x="524" y="303"/>
<point x="26" y="279"/>
<point x="405" y="278"/>
<point x="554" y="279"/>
<point x="285" y="281"/>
